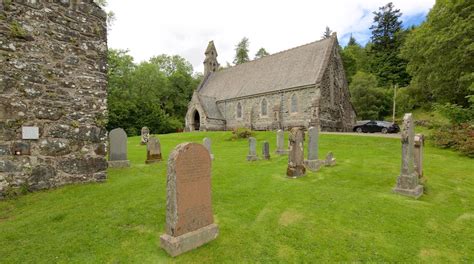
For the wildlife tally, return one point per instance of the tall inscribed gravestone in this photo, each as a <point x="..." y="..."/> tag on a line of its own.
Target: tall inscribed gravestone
<point x="408" y="181"/>
<point x="53" y="90"/>
<point x="296" y="166"/>
<point x="189" y="217"/>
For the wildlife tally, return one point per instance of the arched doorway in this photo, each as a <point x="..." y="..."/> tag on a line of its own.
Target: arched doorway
<point x="196" y="120"/>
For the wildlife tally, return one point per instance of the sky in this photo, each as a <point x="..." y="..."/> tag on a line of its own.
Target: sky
<point x="184" y="27"/>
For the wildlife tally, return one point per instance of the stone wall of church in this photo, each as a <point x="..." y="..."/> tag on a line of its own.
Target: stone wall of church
<point x="53" y="90"/>
<point x="336" y="111"/>
<point x="252" y="116"/>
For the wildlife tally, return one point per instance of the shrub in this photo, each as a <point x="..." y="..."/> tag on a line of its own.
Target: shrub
<point x="458" y="137"/>
<point x="455" y="113"/>
<point x="241" y="132"/>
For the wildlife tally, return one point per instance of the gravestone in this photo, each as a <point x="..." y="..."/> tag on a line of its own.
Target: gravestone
<point x="296" y="166"/>
<point x="145" y="135"/>
<point x="207" y="144"/>
<point x="252" y="156"/>
<point x="118" y="149"/>
<point x="281" y="143"/>
<point x="189" y="217"/>
<point x="266" y="150"/>
<point x="153" y="151"/>
<point x="408" y="181"/>
<point x="418" y="155"/>
<point x="313" y="163"/>
<point x="330" y="160"/>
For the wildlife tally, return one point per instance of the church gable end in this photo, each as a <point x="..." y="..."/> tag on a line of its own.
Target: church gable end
<point x="336" y="111"/>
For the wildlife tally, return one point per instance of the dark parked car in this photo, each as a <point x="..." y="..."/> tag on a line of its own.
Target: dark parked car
<point x="371" y="126"/>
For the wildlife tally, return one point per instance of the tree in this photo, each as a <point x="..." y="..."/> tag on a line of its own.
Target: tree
<point x="327" y="33"/>
<point x="440" y="54"/>
<point x="261" y="53"/>
<point x="354" y="58"/>
<point x="370" y="102"/>
<point x="352" y="41"/>
<point x="172" y="64"/>
<point x="154" y="93"/>
<point x="242" y="52"/>
<point x="387" y="38"/>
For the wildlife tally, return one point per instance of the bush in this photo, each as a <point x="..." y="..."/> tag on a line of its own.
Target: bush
<point x="241" y="132"/>
<point x="457" y="137"/>
<point x="455" y="113"/>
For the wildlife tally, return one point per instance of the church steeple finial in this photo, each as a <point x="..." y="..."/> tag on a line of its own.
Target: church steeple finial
<point x="210" y="63"/>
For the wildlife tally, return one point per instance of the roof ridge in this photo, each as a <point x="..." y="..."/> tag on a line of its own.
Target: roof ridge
<point x="283" y="51"/>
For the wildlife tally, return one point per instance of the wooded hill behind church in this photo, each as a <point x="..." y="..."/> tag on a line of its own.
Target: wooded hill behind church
<point x="303" y="86"/>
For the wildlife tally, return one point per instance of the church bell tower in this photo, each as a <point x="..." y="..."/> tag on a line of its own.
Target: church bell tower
<point x="210" y="63"/>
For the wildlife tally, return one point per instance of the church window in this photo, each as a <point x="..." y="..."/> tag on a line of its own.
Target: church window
<point x="264" y="107"/>
<point x="294" y="104"/>
<point x="239" y="110"/>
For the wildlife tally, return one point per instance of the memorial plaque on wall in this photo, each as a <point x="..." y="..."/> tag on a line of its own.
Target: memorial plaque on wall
<point x="30" y="132"/>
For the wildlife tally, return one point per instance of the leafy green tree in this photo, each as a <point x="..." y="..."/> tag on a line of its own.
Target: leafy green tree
<point x="154" y="93"/>
<point x="387" y="38"/>
<point x="370" y="102"/>
<point x="441" y="54"/>
<point x="354" y="58"/>
<point x="261" y="53"/>
<point x="172" y="64"/>
<point x="242" y="52"/>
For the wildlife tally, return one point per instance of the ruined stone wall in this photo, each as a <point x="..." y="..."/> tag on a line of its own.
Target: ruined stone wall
<point x="53" y="65"/>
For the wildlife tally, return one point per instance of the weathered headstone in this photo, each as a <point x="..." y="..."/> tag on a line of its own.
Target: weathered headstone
<point x="153" y="151"/>
<point x="189" y="217"/>
<point x="296" y="166"/>
<point x="118" y="149"/>
<point x="408" y="181"/>
<point x="207" y="144"/>
<point x="330" y="160"/>
<point x="418" y="155"/>
<point x="145" y="135"/>
<point x="313" y="163"/>
<point x="281" y="143"/>
<point x="266" y="150"/>
<point x="252" y="156"/>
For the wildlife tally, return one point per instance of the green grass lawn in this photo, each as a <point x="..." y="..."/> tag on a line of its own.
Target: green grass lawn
<point x="344" y="213"/>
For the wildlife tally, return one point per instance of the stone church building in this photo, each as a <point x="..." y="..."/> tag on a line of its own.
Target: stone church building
<point x="303" y="86"/>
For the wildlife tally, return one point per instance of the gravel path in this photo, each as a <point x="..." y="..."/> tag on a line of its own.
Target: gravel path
<point x="363" y="134"/>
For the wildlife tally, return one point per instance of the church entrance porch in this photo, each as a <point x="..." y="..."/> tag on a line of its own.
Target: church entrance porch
<point x="196" y="121"/>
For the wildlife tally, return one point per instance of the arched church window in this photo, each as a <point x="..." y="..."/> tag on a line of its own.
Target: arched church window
<point x="264" y="106"/>
<point x="239" y="110"/>
<point x="294" y="103"/>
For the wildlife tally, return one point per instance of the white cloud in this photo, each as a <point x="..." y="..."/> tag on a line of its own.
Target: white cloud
<point x="184" y="27"/>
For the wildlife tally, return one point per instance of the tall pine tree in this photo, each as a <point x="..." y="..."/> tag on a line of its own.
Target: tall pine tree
<point x="387" y="38"/>
<point x="261" y="53"/>
<point x="327" y="33"/>
<point x="242" y="52"/>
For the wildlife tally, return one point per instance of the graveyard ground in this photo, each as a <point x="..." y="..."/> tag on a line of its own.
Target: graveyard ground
<point x="343" y="213"/>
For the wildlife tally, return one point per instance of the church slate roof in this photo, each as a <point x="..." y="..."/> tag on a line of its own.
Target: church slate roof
<point x="296" y="67"/>
<point x="210" y="107"/>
